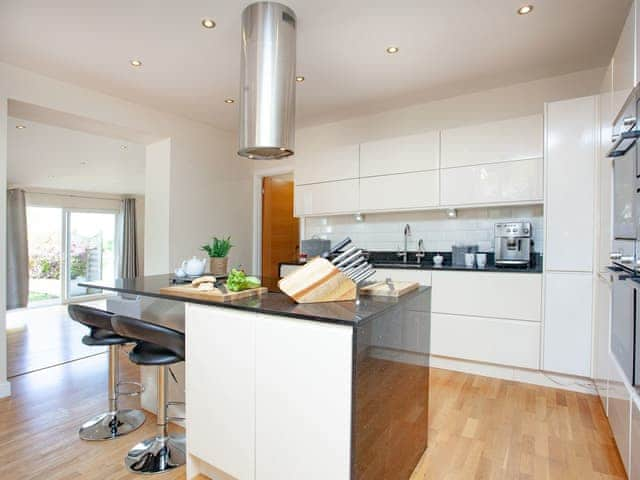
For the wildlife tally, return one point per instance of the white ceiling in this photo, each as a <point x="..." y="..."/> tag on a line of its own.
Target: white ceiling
<point x="49" y="157"/>
<point x="447" y="47"/>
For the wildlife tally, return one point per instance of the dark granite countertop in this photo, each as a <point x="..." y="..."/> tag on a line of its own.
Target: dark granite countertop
<point x="460" y="268"/>
<point x="272" y="303"/>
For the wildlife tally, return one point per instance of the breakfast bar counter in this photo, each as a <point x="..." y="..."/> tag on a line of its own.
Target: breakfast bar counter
<point x="279" y="390"/>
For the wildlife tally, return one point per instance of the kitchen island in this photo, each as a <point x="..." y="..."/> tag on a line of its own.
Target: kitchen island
<point x="279" y="390"/>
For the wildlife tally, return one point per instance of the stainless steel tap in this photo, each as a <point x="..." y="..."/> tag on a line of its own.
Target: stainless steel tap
<point x="407" y="234"/>
<point x="420" y="254"/>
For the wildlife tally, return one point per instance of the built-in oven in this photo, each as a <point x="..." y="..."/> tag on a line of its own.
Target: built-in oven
<point x="626" y="185"/>
<point x="624" y="317"/>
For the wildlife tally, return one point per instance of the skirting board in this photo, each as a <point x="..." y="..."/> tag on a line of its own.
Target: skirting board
<point x="5" y="389"/>
<point x="535" y="377"/>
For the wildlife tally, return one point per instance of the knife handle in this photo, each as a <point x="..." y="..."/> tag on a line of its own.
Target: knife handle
<point x="337" y="247"/>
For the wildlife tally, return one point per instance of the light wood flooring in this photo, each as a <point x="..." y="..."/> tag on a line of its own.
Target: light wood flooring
<point x="42" y="337"/>
<point x="480" y="428"/>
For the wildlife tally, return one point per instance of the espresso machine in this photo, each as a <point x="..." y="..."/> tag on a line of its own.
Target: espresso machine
<point x="513" y="244"/>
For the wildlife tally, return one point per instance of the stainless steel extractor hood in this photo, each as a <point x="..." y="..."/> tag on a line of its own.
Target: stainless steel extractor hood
<point x="267" y="88"/>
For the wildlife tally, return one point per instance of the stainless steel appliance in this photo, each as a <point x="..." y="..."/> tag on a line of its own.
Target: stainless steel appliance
<point x="626" y="200"/>
<point x="625" y="322"/>
<point x="314" y="247"/>
<point x="513" y="243"/>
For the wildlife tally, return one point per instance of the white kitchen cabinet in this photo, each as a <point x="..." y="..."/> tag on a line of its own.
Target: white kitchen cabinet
<point x="220" y="374"/>
<point x="619" y="411"/>
<point x="327" y="198"/>
<point x="624" y="62"/>
<point x="398" y="192"/>
<point x="508" y="182"/>
<point x="423" y="277"/>
<point x="570" y="172"/>
<point x="515" y="296"/>
<point x="412" y="153"/>
<point x="568" y="323"/>
<point x="304" y="420"/>
<point x="326" y="165"/>
<point x="513" y="139"/>
<point x="492" y="340"/>
<point x="601" y="334"/>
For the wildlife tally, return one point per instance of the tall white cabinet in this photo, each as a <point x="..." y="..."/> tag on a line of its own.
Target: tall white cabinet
<point x="570" y="171"/>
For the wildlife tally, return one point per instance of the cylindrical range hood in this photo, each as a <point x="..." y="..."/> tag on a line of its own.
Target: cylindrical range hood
<point x="267" y="88"/>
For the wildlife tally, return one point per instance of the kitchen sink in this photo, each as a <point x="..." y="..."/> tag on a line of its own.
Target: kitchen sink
<point x="396" y="265"/>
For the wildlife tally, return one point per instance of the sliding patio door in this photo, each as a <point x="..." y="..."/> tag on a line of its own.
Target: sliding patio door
<point x="68" y="247"/>
<point x="90" y="250"/>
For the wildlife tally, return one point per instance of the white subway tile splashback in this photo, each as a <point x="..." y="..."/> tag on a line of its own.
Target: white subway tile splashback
<point x="383" y="231"/>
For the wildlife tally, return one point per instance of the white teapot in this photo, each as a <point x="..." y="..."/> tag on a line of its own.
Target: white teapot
<point x="194" y="267"/>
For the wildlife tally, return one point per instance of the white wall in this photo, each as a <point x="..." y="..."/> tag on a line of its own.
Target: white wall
<point x="46" y="156"/>
<point x="157" y="211"/>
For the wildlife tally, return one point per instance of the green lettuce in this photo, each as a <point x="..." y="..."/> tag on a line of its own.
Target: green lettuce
<point x="238" y="281"/>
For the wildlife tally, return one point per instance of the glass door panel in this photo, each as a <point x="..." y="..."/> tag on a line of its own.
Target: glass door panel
<point x="90" y="250"/>
<point x="44" y="233"/>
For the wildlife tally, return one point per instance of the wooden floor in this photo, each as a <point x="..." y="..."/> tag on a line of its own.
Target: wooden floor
<point x="480" y="428"/>
<point x="42" y="337"/>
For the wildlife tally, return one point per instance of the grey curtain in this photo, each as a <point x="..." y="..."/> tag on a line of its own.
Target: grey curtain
<point x="129" y="254"/>
<point x="17" y="250"/>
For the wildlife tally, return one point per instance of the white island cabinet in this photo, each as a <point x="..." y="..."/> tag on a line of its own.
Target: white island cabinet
<point x="293" y="393"/>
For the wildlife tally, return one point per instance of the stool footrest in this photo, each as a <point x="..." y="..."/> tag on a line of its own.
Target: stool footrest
<point x="176" y="419"/>
<point x="132" y="393"/>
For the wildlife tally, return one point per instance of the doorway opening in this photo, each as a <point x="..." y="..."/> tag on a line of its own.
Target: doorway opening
<point x="280" y="229"/>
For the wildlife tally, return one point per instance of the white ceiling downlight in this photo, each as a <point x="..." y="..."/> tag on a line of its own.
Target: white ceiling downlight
<point x="525" y="9"/>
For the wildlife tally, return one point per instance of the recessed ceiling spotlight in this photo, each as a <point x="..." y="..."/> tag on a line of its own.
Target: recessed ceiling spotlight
<point x="299" y="79"/>
<point x="208" y="23"/>
<point x="83" y="162"/>
<point x="124" y="147"/>
<point x="523" y="10"/>
<point x="229" y="100"/>
<point x="21" y="127"/>
<point x="135" y="63"/>
<point x="393" y="49"/>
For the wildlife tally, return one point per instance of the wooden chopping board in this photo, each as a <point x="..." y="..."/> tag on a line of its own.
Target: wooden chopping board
<point x="381" y="289"/>
<point x="214" y="295"/>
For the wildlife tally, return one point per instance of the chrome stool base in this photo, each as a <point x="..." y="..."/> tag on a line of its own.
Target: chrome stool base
<point x="111" y="425"/>
<point x="157" y="455"/>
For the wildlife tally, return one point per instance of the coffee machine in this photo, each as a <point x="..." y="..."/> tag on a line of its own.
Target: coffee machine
<point x="513" y="244"/>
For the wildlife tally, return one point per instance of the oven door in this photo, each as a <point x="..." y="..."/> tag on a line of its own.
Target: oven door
<point x="624" y="196"/>
<point x="623" y="320"/>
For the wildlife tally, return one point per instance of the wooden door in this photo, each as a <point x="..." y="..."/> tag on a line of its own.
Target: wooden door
<point x="280" y="229"/>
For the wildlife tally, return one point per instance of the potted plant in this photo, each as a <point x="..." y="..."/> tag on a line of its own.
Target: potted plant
<point x="218" y="251"/>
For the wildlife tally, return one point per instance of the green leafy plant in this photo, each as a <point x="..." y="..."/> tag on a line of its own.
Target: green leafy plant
<point x="238" y="281"/>
<point x="218" y="248"/>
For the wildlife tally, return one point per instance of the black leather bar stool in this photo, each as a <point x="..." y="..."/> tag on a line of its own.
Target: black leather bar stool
<point x="115" y="422"/>
<point x="156" y="346"/>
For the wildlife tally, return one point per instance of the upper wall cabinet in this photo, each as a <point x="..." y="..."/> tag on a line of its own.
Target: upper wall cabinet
<point x="503" y="141"/>
<point x="397" y="192"/>
<point x="413" y="153"/>
<point x="337" y="163"/>
<point x="624" y="62"/>
<point x="508" y="182"/>
<point x="327" y="198"/>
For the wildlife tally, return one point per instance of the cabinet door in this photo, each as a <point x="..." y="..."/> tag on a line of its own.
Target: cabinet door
<point x="509" y="182"/>
<point x="619" y="411"/>
<point x="326" y="198"/>
<point x="514" y="139"/>
<point x="220" y="395"/>
<point x="568" y="323"/>
<point x="397" y="192"/>
<point x="303" y="399"/>
<point x="480" y="339"/>
<point x="413" y="153"/>
<point x="337" y="163"/>
<point x="570" y="190"/>
<point x="624" y="67"/>
<point x="601" y="334"/>
<point x="514" y="296"/>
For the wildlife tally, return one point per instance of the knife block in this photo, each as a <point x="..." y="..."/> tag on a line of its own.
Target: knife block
<point x="318" y="281"/>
